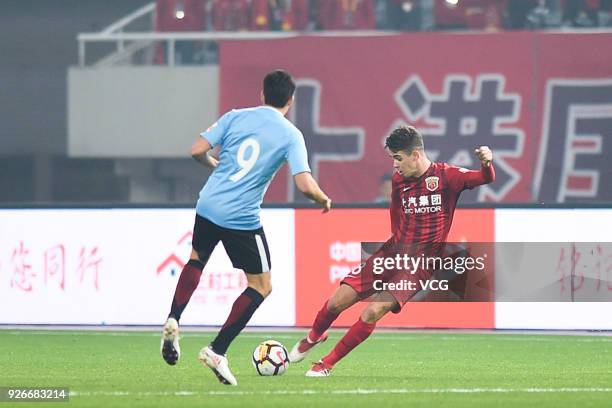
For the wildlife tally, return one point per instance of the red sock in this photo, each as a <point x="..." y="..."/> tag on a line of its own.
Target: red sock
<point x="187" y="284"/>
<point x="354" y="337"/>
<point x="321" y="323"/>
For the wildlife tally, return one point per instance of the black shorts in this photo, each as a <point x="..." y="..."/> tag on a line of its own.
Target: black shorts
<point x="247" y="249"/>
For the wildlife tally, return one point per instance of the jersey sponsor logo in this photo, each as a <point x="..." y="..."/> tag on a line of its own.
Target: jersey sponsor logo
<point x="432" y="183"/>
<point x="424" y="204"/>
<point x="424" y="210"/>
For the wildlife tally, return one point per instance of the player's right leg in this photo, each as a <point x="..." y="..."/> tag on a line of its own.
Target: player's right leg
<point x="213" y="355"/>
<point x="205" y="238"/>
<point x="344" y="297"/>
<point x="355" y="286"/>
<point x="248" y="250"/>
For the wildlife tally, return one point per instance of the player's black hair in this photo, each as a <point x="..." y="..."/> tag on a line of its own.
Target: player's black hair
<point x="405" y="138"/>
<point x="278" y="88"/>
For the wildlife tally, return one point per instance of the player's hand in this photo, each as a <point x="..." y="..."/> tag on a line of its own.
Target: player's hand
<point x="326" y="204"/>
<point x="484" y="154"/>
<point x="212" y="161"/>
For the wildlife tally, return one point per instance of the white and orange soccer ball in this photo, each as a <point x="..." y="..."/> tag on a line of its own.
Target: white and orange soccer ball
<point x="270" y="358"/>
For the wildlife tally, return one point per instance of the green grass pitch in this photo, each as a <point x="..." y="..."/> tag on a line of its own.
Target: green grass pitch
<point x="112" y="369"/>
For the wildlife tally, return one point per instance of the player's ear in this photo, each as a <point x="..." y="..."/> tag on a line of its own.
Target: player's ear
<point x="289" y="102"/>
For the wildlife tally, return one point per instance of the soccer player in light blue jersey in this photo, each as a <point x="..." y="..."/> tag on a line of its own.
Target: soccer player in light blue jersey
<point x="254" y="143"/>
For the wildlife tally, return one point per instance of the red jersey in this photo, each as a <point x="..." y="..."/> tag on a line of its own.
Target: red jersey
<point x="422" y="208"/>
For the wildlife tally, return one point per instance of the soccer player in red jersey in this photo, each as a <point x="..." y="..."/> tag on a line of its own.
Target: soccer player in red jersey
<point x="422" y="207"/>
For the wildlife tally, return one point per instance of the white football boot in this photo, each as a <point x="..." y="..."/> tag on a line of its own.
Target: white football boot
<point x="170" y="349"/>
<point x="319" y="369"/>
<point x="218" y="364"/>
<point x="303" y="347"/>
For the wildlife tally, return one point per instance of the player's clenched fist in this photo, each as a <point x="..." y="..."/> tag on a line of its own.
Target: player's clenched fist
<point x="326" y="205"/>
<point x="484" y="154"/>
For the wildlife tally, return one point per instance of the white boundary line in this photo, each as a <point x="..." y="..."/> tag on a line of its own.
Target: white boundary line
<point x="530" y="337"/>
<point x="23" y="328"/>
<point x="356" y="391"/>
<point x="580" y="337"/>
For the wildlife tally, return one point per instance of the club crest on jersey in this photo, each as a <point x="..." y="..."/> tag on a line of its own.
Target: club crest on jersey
<point x="432" y="183"/>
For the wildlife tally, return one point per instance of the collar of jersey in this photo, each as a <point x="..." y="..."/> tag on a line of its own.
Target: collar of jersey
<point x="271" y="108"/>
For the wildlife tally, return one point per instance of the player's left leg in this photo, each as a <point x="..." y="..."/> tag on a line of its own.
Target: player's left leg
<point x="381" y="304"/>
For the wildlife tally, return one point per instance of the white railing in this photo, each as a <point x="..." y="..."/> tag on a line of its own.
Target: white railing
<point x="143" y="39"/>
<point x="170" y="38"/>
<point x="118" y="27"/>
<point x="116" y="33"/>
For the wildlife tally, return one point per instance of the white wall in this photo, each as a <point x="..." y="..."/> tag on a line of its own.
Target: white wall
<point x="553" y="225"/>
<point x="133" y="112"/>
<point x="112" y="265"/>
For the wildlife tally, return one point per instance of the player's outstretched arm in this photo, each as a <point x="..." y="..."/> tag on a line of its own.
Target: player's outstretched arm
<point x="200" y="151"/>
<point x="309" y="187"/>
<point x="460" y="178"/>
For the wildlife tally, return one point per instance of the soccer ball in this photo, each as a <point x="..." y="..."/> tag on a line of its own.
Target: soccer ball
<point x="270" y="358"/>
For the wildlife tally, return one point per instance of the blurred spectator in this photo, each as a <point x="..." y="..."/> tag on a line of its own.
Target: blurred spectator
<point x="403" y="15"/>
<point x="585" y="13"/>
<point x="449" y="15"/>
<point x="384" y="189"/>
<point x="179" y="15"/>
<point x="484" y="14"/>
<point x="231" y="15"/>
<point x="281" y="15"/>
<point x="472" y="14"/>
<point x="605" y="13"/>
<point x="545" y="14"/>
<point x="346" y="14"/>
<point x="517" y="13"/>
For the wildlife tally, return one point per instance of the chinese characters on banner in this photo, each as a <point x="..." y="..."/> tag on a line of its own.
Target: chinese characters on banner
<point x="546" y="114"/>
<point x="52" y="268"/>
<point x="345" y="256"/>
<point x="585" y="267"/>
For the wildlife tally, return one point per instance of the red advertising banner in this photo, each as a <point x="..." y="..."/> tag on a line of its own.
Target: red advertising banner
<point x="541" y="101"/>
<point x="328" y="247"/>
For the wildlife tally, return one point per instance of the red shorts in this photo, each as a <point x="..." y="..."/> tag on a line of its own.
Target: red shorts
<point x="372" y="277"/>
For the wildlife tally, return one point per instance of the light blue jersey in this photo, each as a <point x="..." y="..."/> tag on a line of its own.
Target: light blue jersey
<point x="255" y="142"/>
